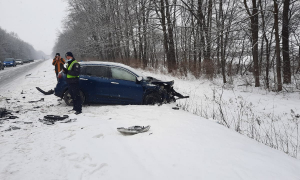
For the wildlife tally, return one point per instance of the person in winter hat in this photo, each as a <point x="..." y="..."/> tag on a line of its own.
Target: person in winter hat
<point x="58" y="62"/>
<point x="72" y="71"/>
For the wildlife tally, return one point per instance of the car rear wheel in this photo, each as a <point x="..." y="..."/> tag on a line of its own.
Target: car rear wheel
<point x="152" y="99"/>
<point x="68" y="100"/>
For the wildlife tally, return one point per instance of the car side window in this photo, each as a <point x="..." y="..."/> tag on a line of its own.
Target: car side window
<point x="121" y="74"/>
<point x="97" y="71"/>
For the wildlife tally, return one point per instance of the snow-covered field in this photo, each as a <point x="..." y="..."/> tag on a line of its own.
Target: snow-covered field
<point x="179" y="145"/>
<point x="268" y="117"/>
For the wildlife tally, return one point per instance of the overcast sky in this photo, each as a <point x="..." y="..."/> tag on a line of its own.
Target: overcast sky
<point x="35" y="21"/>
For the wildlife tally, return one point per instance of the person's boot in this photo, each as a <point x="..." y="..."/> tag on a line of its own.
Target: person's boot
<point x="78" y="112"/>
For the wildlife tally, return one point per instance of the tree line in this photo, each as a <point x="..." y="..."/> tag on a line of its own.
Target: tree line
<point x="11" y="46"/>
<point x="203" y="37"/>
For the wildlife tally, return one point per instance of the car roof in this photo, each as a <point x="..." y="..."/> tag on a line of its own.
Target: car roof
<point x="97" y="63"/>
<point x="9" y="59"/>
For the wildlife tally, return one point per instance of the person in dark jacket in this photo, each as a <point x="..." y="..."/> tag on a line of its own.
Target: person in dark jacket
<point x="58" y="62"/>
<point x="72" y="71"/>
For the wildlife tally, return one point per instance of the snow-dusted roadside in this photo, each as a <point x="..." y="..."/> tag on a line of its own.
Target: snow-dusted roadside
<point x="268" y="117"/>
<point x="179" y="145"/>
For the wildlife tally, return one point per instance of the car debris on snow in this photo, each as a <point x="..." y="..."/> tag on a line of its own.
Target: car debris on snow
<point x="133" y="129"/>
<point x="44" y="92"/>
<point x="51" y="119"/>
<point x="42" y="99"/>
<point x="4" y="112"/>
<point x="12" y="128"/>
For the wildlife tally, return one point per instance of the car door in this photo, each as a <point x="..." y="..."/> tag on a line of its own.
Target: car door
<point x="123" y="88"/>
<point x="95" y="83"/>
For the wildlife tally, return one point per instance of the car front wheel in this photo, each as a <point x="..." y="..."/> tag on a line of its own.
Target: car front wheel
<point x="152" y="99"/>
<point x="68" y="100"/>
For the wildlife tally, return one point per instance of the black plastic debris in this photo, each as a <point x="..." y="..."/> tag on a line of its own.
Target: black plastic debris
<point x="12" y="117"/>
<point x="42" y="99"/>
<point x="51" y="119"/>
<point x="175" y="108"/>
<point x="12" y="128"/>
<point x="28" y="122"/>
<point x="44" y="92"/>
<point x="18" y="122"/>
<point x="4" y="112"/>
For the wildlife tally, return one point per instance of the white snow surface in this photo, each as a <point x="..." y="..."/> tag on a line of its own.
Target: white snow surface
<point x="179" y="145"/>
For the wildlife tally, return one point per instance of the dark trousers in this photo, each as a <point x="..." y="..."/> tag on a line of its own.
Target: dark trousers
<point x="75" y="95"/>
<point x="56" y="75"/>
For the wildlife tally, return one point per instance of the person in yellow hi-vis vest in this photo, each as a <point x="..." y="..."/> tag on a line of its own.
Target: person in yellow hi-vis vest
<point x="72" y="71"/>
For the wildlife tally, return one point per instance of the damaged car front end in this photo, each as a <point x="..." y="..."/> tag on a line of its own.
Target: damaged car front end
<point x="164" y="91"/>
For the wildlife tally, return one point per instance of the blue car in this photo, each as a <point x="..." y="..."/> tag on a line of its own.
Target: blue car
<point x="9" y="62"/>
<point x="115" y="83"/>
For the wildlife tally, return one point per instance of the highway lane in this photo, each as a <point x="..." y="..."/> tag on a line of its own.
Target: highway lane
<point x="10" y="74"/>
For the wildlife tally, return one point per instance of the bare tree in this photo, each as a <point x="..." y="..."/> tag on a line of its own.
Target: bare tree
<point x="285" y="43"/>
<point x="278" y="60"/>
<point x="254" y="38"/>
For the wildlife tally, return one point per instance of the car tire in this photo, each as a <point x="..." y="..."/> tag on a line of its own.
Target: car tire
<point x="152" y="99"/>
<point x="68" y="100"/>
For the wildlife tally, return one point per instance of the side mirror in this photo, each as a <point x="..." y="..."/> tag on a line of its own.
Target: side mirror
<point x="139" y="79"/>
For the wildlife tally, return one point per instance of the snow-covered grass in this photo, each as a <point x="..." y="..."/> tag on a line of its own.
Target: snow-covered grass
<point x="179" y="144"/>
<point x="268" y="117"/>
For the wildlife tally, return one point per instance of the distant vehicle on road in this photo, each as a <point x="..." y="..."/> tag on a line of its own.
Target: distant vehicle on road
<point x="1" y="66"/>
<point x="19" y="61"/>
<point x="25" y="60"/>
<point x="9" y="62"/>
<point x="31" y="60"/>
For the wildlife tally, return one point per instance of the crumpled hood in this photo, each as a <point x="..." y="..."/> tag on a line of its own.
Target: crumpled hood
<point x="153" y="80"/>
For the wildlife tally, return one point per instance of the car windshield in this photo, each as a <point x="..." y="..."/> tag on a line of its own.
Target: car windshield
<point x="134" y="71"/>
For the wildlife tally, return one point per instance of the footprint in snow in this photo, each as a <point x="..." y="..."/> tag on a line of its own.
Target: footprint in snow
<point x="99" y="168"/>
<point x="98" y="136"/>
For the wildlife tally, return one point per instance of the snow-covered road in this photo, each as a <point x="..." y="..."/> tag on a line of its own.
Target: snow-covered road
<point x="12" y="74"/>
<point x="178" y="146"/>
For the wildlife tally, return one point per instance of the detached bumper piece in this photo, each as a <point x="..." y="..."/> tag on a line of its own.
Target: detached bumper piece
<point x="178" y="95"/>
<point x="168" y="95"/>
<point x="44" y="92"/>
<point x="51" y="119"/>
<point x="133" y="129"/>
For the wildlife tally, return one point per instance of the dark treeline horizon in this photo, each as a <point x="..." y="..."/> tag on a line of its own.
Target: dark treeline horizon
<point x="11" y="46"/>
<point x="202" y="37"/>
